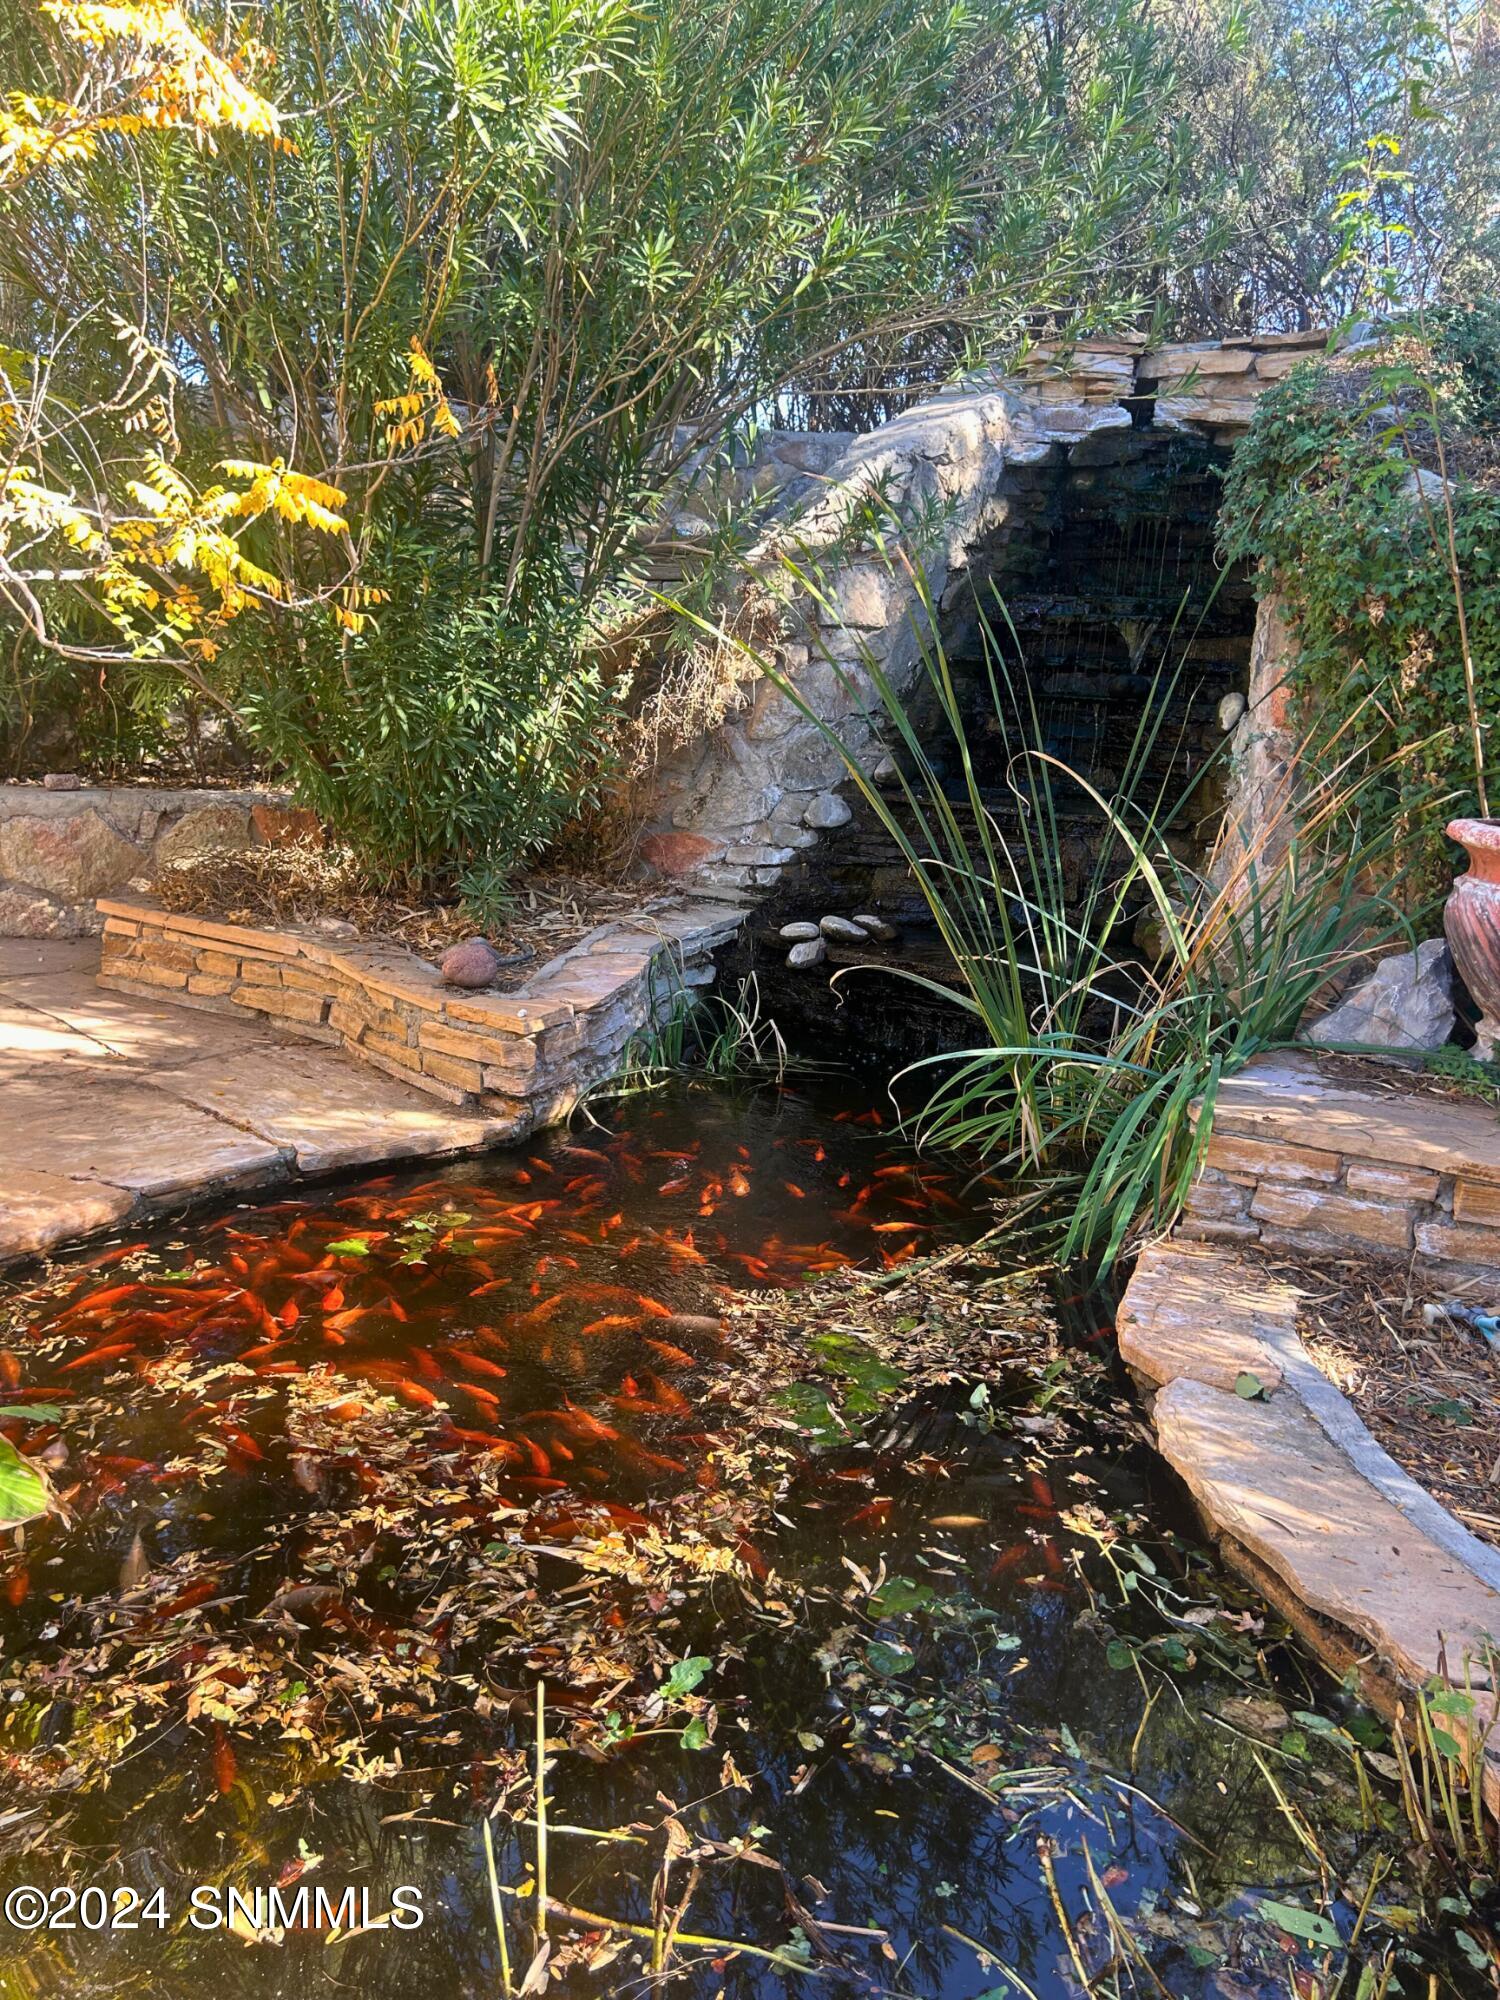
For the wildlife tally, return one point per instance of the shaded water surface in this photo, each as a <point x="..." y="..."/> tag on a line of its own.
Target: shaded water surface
<point x="898" y="1669"/>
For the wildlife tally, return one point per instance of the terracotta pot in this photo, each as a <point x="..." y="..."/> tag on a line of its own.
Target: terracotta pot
<point x="1471" y="920"/>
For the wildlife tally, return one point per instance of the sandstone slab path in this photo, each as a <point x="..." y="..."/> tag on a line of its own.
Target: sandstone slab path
<point x="114" y="1107"/>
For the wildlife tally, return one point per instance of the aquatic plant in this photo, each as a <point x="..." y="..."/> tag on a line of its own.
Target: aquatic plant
<point x="1094" y="1064"/>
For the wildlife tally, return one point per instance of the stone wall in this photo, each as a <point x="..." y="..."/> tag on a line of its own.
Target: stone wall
<point x="733" y="809"/>
<point x="1304" y="1157"/>
<point x="62" y="849"/>
<point x="527" y="1055"/>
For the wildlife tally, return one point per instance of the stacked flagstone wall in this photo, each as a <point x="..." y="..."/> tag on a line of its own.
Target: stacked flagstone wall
<point x="1303" y="1158"/>
<point x="733" y="809"/>
<point x="527" y="1055"/>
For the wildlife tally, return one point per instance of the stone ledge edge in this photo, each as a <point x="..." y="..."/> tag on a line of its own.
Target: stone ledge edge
<point x="1309" y="1391"/>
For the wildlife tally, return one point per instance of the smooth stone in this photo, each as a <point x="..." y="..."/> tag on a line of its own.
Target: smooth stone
<point x="798" y="933"/>
<point x="876" y="927"/>
<point x="828" y="810"/>
<point x="62" y="781"/>
<point x="810" y="952"/>
<point x="471" y="964"/>
<point x="843" y="929"/>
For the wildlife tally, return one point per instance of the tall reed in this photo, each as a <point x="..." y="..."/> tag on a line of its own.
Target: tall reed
<point x="1090" y="1064"/>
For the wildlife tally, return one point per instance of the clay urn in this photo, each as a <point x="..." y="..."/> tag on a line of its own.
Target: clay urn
<point x="1471" y="920"/>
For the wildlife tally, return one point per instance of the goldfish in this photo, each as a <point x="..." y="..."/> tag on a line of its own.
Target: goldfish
<point x="675" y="1357"/>
<point x="114" y="1352"/>
<point x="476" y="1364"/>
<point x="225" y="1768"/>
<point x="417" y="1395"/>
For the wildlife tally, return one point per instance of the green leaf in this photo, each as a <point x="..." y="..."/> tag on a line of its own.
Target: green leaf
<point x="695" y="1736"/>
<point x="1249" y="1386"/>
<point x="1300" y="1923"/>
<point x="349" y="1246"/>
<point x="1477" y="1956"/>
<point x="685" y="1676"/>
<point x="23" y="1488"/>
<point x="899" y="1594"/>
<point x="36" y="1413"/>
<point x="1120" y="1656"/>
<point x="888" y="1659"/>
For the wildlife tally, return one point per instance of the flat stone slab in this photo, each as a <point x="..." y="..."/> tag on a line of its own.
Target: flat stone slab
<point x="91" y="1124"/>
<point x="1267" y="1474"/>
<point x="324" y="1110"/>
<point x="1286" y="1099"/>
<point x="39" y="1210"/>
<point x="136" y="1030"/>
<point x="29" y="1036"/>
<point x="24" y="958"/>
<point x="1301" y="1494"/>
<point x="1195" y="1313"/>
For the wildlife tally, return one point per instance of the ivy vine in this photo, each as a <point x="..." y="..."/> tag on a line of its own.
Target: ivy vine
<point x="1334" y="496"/>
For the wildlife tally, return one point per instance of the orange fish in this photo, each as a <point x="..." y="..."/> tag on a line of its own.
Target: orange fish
<point x="419" y="1397"/>
<point x="96" y="1354"/>
<point x="670" y="1354"/>
<point x="476" y="1364"/>
<point x="225" y="1768"/>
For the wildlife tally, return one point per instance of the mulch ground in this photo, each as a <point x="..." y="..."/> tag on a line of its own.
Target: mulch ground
<point x="300" y="883"/>
<point x="1399" y="1079"/>
<point x="1429" y="1394"/>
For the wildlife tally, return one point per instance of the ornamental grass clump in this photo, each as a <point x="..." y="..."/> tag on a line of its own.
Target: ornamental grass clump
<point x="1092" y="1066"/>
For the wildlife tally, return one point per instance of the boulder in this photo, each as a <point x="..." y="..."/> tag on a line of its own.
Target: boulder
<point x="811" y="951"/>
<point x="1405" y="1003"/>
<point x="28" y="913"/>
<point x="202" y="832"/>
<point x="471" y="964"/>
<point x="71" y="859"/>
<point x="284" y="826"/>
<point x="842" y="928"/>
<point x="62" y="781"/>
<point x="798" y="933"/>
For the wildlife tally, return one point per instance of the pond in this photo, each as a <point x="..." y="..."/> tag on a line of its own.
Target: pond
<point x="877" y="1655"/>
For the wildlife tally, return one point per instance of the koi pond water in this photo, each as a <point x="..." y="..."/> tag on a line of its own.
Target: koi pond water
<point x="819" y="1545"/>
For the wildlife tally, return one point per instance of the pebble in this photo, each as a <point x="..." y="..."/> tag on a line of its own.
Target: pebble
<point x="473" y="963"/>
<point x="876" y="927"/>
<point x="797" y="933"/>
<point x="842" y="928"/>
<point x="811" y="951"/>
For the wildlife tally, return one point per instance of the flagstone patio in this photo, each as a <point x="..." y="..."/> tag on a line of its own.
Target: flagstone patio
<point x="114" y="1106"/>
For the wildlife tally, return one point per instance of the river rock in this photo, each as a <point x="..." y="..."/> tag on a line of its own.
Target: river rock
<point x="876" y="927"/>
<point x="62" y="781"/>
<point x="1405" y="1003"/>
<point x="842" y="928"/>
<point x="828" y="810"/>
<point x="810" y="952"/>
<point x="473" y="963"/>
<point x="798" y="933"/>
